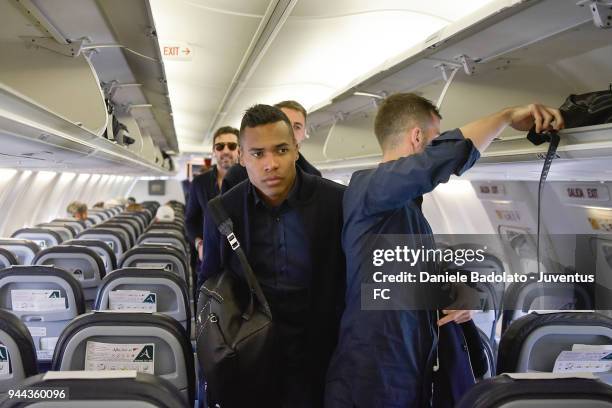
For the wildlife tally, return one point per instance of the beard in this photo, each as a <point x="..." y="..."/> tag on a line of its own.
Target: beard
<point x="226" y="161"/>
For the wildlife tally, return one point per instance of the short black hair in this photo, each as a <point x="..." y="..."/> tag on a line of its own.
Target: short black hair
<point x="259" y="115"/>
<point x="225" y="129"/>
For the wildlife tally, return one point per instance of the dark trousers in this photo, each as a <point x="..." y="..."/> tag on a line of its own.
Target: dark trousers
<point x="290" y="316"/>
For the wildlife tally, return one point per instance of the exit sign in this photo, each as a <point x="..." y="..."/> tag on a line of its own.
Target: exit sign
<point x="585" y="192"/>
<point x="176" y="51"/>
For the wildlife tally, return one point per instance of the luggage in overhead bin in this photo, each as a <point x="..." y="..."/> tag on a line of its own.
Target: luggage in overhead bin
<point x="592" y="108"/>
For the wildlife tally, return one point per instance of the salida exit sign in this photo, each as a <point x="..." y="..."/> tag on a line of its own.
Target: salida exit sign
<point x="176" y="51"/>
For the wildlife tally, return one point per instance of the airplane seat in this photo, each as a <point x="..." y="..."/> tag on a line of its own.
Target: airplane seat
<point x="129" y="218"/>
<point x="114" y="239"/>
<point x="164" y="238"/>
<point x="98" y="215"/>
<point x="167" y="227"/>
<point x="490" y="352"/>
<point x="77" y="225"/>
<point x="7" y="258"/>
<point x="491" y="294"/>
<point x="128" y="389"/>
<point x="90" y="222"/>
<point x="24" y="250"/>
<point x="516" y="391"/>
<point x="66" y="231"/>
<point x="101" y="248"/>
<point x="101" y="213"/>
<point x="179" y="213"/>
<point x="157" y="257"/>
<point x="171" y="228"/>
<point x="533" y="342"/>
<point x="83" y="262"/>
<point x="45" y="298"/>
<point x="137" y="222"/>
<point x="170" y="293"/>
<point x="115" y="211"/>
<point x="43" y="237"/>
<point x="126" y="229"/>
<point x="521" y="297"/>
<point x="17" y="352"/>
<point x="151" y="210"/>
<point x="177" y="223"/>
<point x="155" y="344"/>
<point x="145" y="217"/>
<point x="154" y="205"/>
<point x="148" y="212"/>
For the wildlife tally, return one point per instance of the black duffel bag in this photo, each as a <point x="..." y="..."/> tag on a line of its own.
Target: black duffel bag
<point x="593" y="108"/>
<point x="235" y="339"/>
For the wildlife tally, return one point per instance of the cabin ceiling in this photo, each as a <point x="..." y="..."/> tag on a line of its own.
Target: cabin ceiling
<point x="319" y="53"/>
<point x="315" y="49"/>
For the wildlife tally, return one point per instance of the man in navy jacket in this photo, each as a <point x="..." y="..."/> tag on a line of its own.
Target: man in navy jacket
<point x="391" y="358"/>
<point x="207" y="185"/>
<point x="289" y="224"/>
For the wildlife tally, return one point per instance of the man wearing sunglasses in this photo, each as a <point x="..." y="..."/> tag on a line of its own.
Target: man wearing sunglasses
<point x="207" y="186"/>
<point x="297" y="116"/>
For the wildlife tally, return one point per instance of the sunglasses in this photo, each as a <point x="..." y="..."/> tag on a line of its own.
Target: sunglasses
<point x="231" y="145"/>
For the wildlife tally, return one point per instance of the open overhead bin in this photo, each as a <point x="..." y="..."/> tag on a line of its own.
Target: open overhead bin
<point x="83" y="90"/>
<point x="507" y="53"/>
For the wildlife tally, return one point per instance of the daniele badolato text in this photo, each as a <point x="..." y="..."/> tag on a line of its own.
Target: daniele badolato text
<point x="409" y="278"/>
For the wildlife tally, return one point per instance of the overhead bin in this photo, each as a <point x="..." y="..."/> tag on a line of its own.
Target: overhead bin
<point x="507" y="53"/>
<point x="66" y="87"/>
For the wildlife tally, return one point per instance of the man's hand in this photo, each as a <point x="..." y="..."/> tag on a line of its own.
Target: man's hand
<point x="543" y="117"/>
<point x="458" y="316"/>
<point x="482" y="131"/>
<point x="200" y="247"/>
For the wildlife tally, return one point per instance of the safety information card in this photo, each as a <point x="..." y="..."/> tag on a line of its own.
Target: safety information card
<point x="37" y="300"/>
<point x="115" y="357"/>
<point x="581" y="361"/>
<point x="133" y="300"/>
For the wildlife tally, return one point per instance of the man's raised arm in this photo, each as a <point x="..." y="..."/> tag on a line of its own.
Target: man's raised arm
<point x="482" y="131"/>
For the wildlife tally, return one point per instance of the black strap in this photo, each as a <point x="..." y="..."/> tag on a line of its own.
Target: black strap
<point x="226" y="228"/>
<point x="538" y="139"/>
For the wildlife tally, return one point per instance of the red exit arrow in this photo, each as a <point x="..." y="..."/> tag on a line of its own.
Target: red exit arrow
<point x="186" y="51"/>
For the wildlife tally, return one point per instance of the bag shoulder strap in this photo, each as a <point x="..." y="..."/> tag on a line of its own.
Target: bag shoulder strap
<point x="226" y="228"/>
<point x="537" y="139"/>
